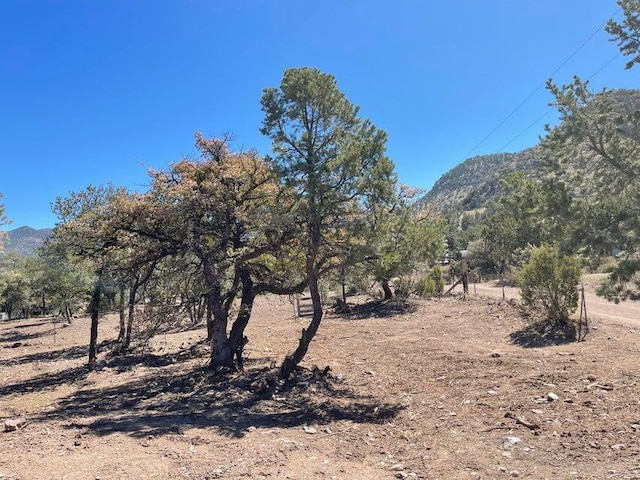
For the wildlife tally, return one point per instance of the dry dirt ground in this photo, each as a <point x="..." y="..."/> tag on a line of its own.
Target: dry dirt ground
<point x="442" y="389"/>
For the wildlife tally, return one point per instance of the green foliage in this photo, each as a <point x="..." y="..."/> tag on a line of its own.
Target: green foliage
<point x="400" y="239"/>
<point x="437" y="275"/>
<point x="603" y="130"/>
<point x="425" y="287"/>
<point x="623" y="281"/>
<point x="405" y="286"/>
<point x="549" y="282"/>
<point x="336" y="165"/>
<point x="627" y="33"/>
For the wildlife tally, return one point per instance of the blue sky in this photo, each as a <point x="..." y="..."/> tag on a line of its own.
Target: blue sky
<point x="93" y="92"/>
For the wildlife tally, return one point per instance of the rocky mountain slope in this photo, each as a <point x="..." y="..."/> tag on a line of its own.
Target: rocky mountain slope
<point x="25" y="240"/>
<point x="475" y="182"/>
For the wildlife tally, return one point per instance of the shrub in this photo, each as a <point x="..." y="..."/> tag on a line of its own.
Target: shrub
<point x="404" y="286"/>
<point x="549" y="281"/>
<point x="425" y="287"/>
<point x="438" y="278"/>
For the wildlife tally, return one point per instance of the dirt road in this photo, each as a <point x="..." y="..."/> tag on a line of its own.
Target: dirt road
<point x="624" y="313"/>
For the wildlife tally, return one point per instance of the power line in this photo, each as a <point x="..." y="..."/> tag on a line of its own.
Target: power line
<point x="538" y="88"/>
<point x="552" y="108"/>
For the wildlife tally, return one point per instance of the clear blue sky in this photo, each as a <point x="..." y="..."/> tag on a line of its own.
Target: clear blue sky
<point x="93" y="92"/>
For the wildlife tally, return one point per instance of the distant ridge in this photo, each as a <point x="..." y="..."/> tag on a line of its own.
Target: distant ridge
<point x="25" y="240"/>
<point x="476" y="181"/>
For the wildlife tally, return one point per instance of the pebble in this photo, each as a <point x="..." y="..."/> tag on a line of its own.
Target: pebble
<point x="510" y="442"/>
<point x="552" y="397"/>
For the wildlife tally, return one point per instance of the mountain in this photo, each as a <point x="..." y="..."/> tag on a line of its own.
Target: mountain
<point x="25" y="240"/>
<point x="476" y="181"/>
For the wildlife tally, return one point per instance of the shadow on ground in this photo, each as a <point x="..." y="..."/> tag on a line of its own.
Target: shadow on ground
<point x="375" y="308"/>
<point x="162" y="403"/>
<point x="544" y="334"/>
<point x="51" y="356"/>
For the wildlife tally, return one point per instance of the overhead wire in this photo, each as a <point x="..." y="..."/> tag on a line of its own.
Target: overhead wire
<point x="538" y="88"/>
<point x="532" y="124"/>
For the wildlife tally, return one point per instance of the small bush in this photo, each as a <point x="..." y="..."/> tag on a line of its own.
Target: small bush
<point x="425" y="287"/>
<point x="438" y="278"/>
<point x="404" y="286"/>
<point x="549" y="281"/>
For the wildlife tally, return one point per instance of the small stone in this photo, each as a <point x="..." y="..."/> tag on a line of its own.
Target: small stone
<point x="618" y="446"/>
<point x="492" y="392"/>
<point x="401" y="475"/>
<point x="510" y="442"/>
<point x="514" y="473"/>
<point x="397" y="467"/>
<point x="537" y="411"/>
<point x="370" y="372"/>
<point x="552" y="397"/>
<point x="14" y="424"/>
<point x="309" y="430"/>
<point x="495" y="355"/>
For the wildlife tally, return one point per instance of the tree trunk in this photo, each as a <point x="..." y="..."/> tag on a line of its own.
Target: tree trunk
<point x="44" y="306"/>
<point x="237" y="339"/>
<point x="388" y="294"/>
<point x="130" y="316"/>
<point x="67" y="312"/>
<point x="221" y="354"/>
<point x="291" y="361"/>
<point x="209" y="313"/>
<point x="121" y="311"/>
<point x="95" y="311"/>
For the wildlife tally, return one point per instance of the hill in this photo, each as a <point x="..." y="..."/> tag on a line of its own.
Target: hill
<point x="25" y="240"/>
<point x="475" y="182"/>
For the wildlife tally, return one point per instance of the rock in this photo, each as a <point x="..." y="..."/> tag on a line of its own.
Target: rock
<point x="495" y="355"/>
<point x="309" y="430"/>
<point x="514" y="473"/>
<point x="401" y="475"/>
<point x="552" y="397"/>
<point x="14" y="424"/>
<point x="492" y="392"/>
<point x="618" y="446"/>
<point x="397" y="467"/>
<point x="510" y="442"/>
<point x="537" y="411"/>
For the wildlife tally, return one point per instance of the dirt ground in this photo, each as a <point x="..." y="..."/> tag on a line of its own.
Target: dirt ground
<point x="441" y="389"/>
